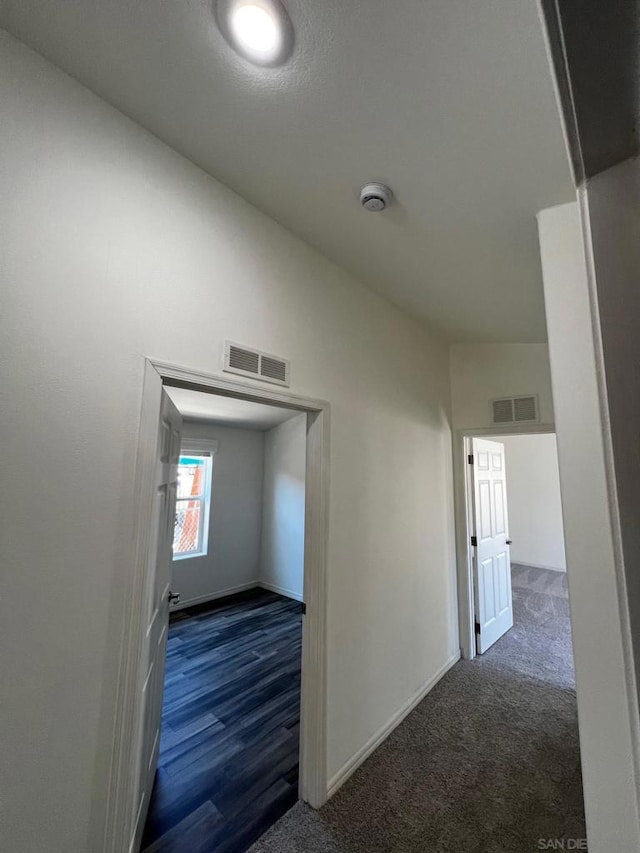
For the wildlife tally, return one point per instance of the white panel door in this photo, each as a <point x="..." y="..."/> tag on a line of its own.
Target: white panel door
<point x="491" y="562"/>
<point x="157" y="609"/>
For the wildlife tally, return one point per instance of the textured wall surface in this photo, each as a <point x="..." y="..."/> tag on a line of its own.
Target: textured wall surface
<point x="606" y="703"/>
<point x="235" y="519"/>
<point x="108" y="237"/>
<point x="283" y="513"/>
<point x="533" y="496"/>
<point x="484" y="372"/>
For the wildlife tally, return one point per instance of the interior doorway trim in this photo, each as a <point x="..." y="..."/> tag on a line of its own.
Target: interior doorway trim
<point x="313" y="784"/>
<point x="462" y="491"/>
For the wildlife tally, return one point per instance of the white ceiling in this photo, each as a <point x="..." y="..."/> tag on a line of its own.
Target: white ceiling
<point x="227" y="411"/>
<point x="449" y="101"/>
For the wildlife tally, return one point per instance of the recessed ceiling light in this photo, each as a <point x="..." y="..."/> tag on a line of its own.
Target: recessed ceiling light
<point x="259" y="30"/>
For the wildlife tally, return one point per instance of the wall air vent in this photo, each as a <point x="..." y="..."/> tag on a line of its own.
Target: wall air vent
<point x="273" y="368"/>
<point x="515" y="410"/>
<point x="525" y="409"/>
<point x="255" y="364"/>
<point x="502" y="411"/>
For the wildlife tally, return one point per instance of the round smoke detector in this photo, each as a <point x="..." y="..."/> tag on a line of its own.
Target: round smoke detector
<point x="375" y="197"/>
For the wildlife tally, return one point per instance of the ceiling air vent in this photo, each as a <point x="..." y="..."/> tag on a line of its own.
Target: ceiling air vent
<point x="258" y="365"/>
<point x="515" y="410"/>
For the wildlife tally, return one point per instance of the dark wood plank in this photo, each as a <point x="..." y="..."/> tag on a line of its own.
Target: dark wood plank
<point x="228" y="766"/>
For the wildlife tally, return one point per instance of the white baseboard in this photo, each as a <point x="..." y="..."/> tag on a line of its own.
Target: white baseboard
<point x="272" y="587"/>
<point x="383" y="733"/>
<point x="539" y="566"/>
<point x="222" y="593"/>
<point x="211" y="596"/>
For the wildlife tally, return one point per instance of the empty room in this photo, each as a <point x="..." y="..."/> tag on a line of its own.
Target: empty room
<point x="228" y="757"/>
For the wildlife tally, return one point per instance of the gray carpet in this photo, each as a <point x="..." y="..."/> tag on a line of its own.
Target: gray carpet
<point x="487" y="763"/>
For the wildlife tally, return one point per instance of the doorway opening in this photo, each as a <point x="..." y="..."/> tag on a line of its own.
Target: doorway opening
<point x="229" y="748"/>
<point x="513" y="532"/>
<point x="231" y="596"/>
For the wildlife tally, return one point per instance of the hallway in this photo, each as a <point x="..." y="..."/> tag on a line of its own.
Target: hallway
<point x="487" y="763"/>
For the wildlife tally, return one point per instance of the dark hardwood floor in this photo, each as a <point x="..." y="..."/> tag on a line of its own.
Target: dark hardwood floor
<point x="228" y="764"/>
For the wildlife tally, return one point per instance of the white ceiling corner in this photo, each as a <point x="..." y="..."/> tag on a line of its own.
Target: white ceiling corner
<point x="450" y="102"/>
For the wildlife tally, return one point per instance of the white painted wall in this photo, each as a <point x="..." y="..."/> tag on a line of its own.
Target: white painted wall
<point x="106" y="237"/>
<point x="535" y="506"/>
<point x="484" y="372"/>
<point x="235" y="521"/>
<point x="282" y="544"/>
<point x="607" y="703"/>
<point x="613" y="202"/>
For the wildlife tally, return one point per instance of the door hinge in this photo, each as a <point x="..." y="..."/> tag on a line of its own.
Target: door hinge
<point x="303" y="608"/>
<point x="474" y="541"/>
<point x="470" y="459"/>
<point x="478" y="628"/>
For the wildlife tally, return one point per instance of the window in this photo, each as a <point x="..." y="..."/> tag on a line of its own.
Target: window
<point x="191" y="531"/>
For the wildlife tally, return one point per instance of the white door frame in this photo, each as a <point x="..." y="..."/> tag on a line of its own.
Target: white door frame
<point x="463" y="496"/>
<point x="313" y="765"/>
